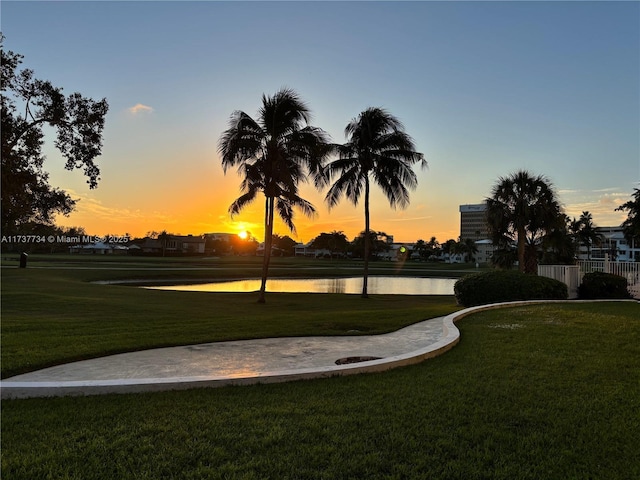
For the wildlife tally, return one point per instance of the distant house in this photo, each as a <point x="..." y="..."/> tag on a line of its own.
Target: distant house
<point x="305" y="250"/>
<point x="100" y="248"/>
<point x="171" y="245"/>
<point x="185" y="244"/>
<point x="150" y="246"/>
<point x="485" y="251"/>
<point x="275" y="251"/>
<point x="225" y="237"/>
<point x="396" y="250"/>
<point x="453" y="257"/>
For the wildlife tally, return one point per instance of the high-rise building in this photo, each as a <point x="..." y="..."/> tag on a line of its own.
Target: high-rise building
<point x="473" y="223"/>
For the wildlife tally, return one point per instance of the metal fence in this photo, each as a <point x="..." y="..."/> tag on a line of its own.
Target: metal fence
<point x="568" y="274"/>
<point x="572" y="275"/>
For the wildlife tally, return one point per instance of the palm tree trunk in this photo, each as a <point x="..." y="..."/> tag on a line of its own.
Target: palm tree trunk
<point x="367" y="240"/>
<point x="521" y="245"/>
<point x="531" y="259"/>
<point x="268" y="239"/>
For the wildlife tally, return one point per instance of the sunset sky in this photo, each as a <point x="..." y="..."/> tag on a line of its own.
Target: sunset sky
<point x="484" y="88"/>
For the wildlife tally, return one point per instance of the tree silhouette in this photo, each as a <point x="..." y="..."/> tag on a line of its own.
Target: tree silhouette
<point x="631" y="226"/>
<point x="274" y="154"/>
<point x="335" y="241"/>
<point x="379" y="151"/>
<point x="522" y="208"/>
<point x="586" y="232"/>
<point x="28" y="104"/>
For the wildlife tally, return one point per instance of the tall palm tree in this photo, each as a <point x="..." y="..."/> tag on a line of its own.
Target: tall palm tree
<point x="377" y="150"/>
<point x="522" y="208"/>
<point x="274" y="153"/>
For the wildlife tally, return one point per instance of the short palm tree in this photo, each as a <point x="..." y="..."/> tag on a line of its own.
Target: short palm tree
<point x="469" y="248"/>
<point x="560" y="244"/>
<point x="587" y="233"/>
<point x="420" y="247"/>
<point x="274" y="154"/>
<point x="164" y="240"/>
<point x="377" y="150"/>
<point x="522" y="208"/>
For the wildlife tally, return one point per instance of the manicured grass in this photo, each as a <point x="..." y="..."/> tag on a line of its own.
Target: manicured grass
<point x="106" y="267"/>
<point x="53" y="315"/>
<point x="536" y="392"/>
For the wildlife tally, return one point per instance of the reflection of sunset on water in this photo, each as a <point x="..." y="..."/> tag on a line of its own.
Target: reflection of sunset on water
<point x="352" y="285"/>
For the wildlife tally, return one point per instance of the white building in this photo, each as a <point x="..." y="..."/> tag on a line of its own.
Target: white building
<point x="485" y="251"/>
<point x="614" y="244"/>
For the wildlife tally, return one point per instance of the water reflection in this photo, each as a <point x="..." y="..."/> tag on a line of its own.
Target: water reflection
<point x="377" y="285"/>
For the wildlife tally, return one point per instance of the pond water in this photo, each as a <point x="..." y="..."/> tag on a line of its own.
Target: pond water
<point x="376" y="285"/>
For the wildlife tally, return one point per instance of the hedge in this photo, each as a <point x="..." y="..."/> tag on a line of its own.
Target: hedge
<point x="507" y="286"/>
<point x="603" y="285"/>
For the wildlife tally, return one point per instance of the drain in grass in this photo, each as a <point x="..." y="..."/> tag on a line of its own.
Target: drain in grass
<point x="346" y="360"/>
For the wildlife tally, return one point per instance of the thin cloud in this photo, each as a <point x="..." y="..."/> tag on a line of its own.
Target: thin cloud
<point x="408" y="219"/>
<point x="89" y="207"/>
<point x="600" y="204"/>
<point x="140" y="108"/>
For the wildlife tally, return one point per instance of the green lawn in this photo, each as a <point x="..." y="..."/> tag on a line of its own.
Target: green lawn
<point x="54" y="315"/>
<point x="535" y="392"/>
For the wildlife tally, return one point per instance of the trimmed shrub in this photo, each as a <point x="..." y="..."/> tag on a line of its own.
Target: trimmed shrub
<point x="507" y="286"/>
<point x="603" y="285"/>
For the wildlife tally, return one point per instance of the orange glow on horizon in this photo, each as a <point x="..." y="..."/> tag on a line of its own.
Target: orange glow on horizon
<point x="203" y="209"/>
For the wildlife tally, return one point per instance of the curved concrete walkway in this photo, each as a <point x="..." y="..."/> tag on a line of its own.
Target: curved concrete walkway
<point x="243" y="362"/>
<point x="234" y="363"/>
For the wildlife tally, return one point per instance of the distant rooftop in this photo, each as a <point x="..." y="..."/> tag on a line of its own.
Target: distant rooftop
<point x="470" y="208"/>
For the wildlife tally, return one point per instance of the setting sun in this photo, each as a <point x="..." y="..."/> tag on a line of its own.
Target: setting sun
<point x="243" y="235"/>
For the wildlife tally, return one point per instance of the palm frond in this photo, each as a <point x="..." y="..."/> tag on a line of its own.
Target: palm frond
<point x="349" y="184"/>
<point x="283" y="113"/>
<point x="393" y="188"/>
<point x="242" y="201"/>
<point x="241" y="141"/>
<point x="276" y="153"/>
<point x="285" y="208"/>
<point x="381" y="149"/>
